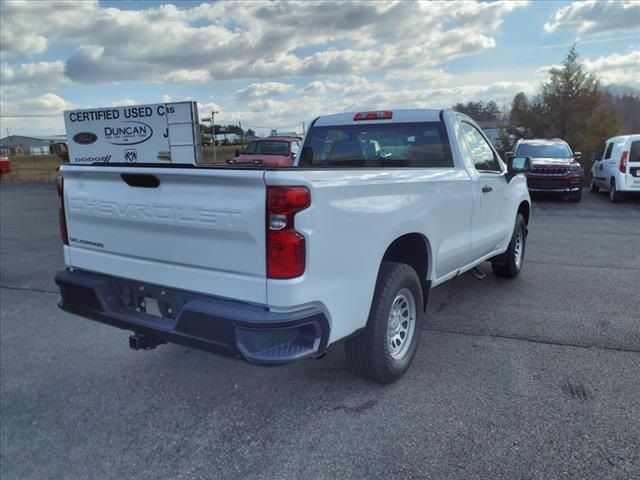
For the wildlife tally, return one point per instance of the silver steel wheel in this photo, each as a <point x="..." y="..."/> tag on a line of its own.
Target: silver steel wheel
<point x="518" y="248"/>
<point x="401" y="324"/>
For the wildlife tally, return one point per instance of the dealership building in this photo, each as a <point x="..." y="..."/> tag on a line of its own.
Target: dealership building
<point x="19" y="145"/>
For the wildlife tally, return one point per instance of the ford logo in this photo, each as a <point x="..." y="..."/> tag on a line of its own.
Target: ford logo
<point x="85" y="138"/>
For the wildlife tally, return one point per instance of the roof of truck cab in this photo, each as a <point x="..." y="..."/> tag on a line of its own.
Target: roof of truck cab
<point x="399" y="116"/>
<point x="541" y="141"/>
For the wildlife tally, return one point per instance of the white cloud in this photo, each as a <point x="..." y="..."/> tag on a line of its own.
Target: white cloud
<point x="124" y="102"/>
<point x="29" y="28"/>
<point x="354" y="93"/>
<point x="221" y="41"/>
<point x="617" y="68"/>
<point x="270" y="45"/>
<point x="263" y="89"/>
<point x="47" y="103"/>
<point x="39" y="114"/>
<point x="314" y="87"/>
<point x="181" y="75"/>
<point x="20" y="79"/>
<point x="596" y="17"/>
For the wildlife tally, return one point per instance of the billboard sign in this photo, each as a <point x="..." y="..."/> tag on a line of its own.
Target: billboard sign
<point x="157" y="133"/>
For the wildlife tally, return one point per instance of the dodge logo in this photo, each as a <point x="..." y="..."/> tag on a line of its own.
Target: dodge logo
<point x="85" y="138"/>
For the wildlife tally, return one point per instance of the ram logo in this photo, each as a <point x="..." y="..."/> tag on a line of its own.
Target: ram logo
<point x="131" y="155"/>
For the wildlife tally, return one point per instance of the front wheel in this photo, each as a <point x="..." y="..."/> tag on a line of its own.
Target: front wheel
<point x="509" y="264"/>
<point x="576" y="197"/>
<point x="386" y="347"/>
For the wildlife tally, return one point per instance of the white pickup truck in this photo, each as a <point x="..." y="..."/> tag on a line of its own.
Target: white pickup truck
<point x="273" y="265"/>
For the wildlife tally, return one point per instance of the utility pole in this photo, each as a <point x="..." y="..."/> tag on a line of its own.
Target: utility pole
<point x="213" y="133"/>
<point x="241" y="134"/>
<point x="303" y="129"/>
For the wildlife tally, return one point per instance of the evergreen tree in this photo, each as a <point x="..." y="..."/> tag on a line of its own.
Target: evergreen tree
<point x="571" y="106"/>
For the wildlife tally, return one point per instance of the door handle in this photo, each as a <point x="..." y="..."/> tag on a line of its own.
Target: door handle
<point x="486" y="189"/>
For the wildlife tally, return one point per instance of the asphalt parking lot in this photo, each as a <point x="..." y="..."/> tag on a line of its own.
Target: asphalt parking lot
<point x="535" y="378"/>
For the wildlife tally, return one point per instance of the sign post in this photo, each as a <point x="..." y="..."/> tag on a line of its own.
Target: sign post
<point x="213" y="132"/>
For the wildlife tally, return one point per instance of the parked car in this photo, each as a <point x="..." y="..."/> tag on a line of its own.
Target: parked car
<point x="555" y="167"/>
<point x="5" y="165"/>
<point x="618" y="170"/>
<point x="270" y="152"/>
<point x="275" y="265"/>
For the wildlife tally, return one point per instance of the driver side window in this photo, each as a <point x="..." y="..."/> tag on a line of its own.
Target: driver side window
<point x="481" y="152"/>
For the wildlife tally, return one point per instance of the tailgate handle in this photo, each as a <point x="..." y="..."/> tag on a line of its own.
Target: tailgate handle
<point x="142" y="180"/>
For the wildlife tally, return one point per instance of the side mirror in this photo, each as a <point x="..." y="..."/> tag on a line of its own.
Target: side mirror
<point x="517" y="165"/>
<point x="236" y="153"/>
<point x="508" y="154"/>
<point x="577" y="155"/>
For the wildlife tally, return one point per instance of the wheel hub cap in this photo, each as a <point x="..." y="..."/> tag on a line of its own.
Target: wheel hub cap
<point x="518" y="247"/>
<point x="401" y="324"/>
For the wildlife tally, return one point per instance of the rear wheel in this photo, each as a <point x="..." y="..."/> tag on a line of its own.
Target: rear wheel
<point x="594" y="187"/>
<point x="614" y="194"/>
<point x="509" y="264"/>
<point x="386" y="347"/>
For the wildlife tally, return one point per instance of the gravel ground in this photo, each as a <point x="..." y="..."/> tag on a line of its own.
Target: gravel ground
<point x="535" y="378"/>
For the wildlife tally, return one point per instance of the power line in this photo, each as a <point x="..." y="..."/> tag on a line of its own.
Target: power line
<point x="31" y="115"/>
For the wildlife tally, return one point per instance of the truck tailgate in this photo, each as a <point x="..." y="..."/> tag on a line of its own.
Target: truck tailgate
<point x="195" y="229"/>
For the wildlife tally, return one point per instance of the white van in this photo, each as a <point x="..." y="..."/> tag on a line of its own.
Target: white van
<point x="618" y="171"/>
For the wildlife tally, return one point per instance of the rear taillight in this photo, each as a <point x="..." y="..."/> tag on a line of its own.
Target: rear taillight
<point x="286" y="249"/>
<point x="378" y="115"/>
<point x="63" y="221"/>
<point x="623" y="161"/>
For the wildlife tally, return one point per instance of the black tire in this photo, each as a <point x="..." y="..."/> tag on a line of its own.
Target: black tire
<point x="507" y="264"/>
<point x="576" y="197"/>
<point x="370" y="353"/>
<point x="594" y="188"/>
<point x="614" y="195"/>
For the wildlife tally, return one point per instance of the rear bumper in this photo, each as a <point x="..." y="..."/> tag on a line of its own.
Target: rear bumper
<point x="231" y="328"/>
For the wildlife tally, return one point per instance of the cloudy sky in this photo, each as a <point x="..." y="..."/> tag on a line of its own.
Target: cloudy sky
<point x="277" y="64"/>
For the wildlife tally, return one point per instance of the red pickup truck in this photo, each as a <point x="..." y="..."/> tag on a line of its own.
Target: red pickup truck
<point x="269" y="151"/>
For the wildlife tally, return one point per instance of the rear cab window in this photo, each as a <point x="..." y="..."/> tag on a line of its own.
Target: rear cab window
<point x="267" y="147"/>
<point x="391" y="145"/>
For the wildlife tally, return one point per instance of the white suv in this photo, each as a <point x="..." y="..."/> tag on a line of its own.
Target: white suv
<point x="618" y="171"/>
